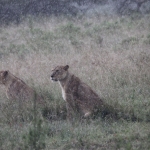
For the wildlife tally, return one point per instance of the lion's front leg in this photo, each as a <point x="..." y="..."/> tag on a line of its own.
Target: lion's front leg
<point x="70" y="111"/>
<point x="73" y="111"/>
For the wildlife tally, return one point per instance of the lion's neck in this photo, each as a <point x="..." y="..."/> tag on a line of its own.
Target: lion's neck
<point x="65" y="81"/>
<point x="64" y="84"/>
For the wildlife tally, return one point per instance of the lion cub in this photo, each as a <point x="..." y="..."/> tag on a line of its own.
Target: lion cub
<point x="79" y="96"/>
<point x="16" y="89"/>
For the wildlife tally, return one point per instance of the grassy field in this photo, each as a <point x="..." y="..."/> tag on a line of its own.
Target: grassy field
<point x="111" y="54"/>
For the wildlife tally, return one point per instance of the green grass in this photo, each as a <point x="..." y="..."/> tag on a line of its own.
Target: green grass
<point x="111" y="54"/>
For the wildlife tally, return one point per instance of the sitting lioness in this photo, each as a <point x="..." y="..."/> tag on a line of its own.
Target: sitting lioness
<point x="16" y="89"/>
<point x="79" y="96"/>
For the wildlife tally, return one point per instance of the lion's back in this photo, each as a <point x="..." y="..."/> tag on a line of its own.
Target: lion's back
<point x="84" y="94"/>
<point x="19" y="90"/>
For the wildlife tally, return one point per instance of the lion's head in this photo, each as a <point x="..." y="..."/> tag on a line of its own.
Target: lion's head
<point x="59" y="73"/>
<point x="3" y="76"/>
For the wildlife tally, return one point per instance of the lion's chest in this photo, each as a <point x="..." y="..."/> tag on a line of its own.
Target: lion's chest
<point x="63" y="92"/>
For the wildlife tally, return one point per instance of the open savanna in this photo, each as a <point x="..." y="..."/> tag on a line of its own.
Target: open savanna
<point x="109" y="53"/>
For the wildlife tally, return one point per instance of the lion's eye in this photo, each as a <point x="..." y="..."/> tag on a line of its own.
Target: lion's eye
<point x="57" y="70"/>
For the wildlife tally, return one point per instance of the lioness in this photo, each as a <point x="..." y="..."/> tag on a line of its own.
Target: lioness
<point x="16" y="89"/>
<point x="79" y="96"/>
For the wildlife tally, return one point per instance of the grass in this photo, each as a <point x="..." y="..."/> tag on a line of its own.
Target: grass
<point x="111" y="54"/>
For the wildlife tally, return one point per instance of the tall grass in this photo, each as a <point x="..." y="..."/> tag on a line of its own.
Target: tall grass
<point x="111" y="54"/>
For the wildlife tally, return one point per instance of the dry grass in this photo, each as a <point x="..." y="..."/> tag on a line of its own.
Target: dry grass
<point x="111" y="54"/>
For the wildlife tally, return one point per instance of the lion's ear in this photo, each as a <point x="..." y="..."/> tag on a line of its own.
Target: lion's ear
<point x="5" y="73"/>
<point x="66" y="67"/>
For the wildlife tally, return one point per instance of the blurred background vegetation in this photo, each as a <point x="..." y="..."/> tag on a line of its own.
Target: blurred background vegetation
<point x="16" y="10"/>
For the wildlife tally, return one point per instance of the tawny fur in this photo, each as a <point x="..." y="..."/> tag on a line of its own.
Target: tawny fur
<point x="16" y="89"/>
<point x="79" y="96"/>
